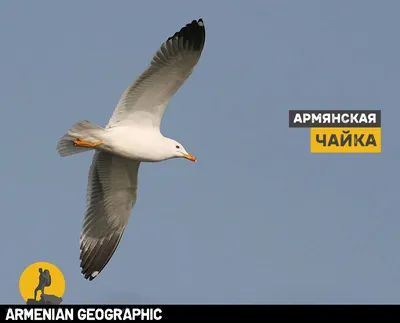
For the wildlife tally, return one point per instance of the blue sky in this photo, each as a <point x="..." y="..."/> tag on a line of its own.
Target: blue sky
<point x="259" y="219"/>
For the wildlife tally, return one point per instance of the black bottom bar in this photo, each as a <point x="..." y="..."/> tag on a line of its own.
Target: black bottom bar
<point x="196" y="312"/>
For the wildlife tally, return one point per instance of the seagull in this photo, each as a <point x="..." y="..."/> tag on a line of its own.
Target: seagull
<point x="131" y="137"/>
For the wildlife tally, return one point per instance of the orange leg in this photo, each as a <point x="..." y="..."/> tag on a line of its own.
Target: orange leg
<point x="83" y="143"/>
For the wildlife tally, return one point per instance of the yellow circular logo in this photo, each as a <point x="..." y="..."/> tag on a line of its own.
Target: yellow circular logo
<point x="42" y="283"/>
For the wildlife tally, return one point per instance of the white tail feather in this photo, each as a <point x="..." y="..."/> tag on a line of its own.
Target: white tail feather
<point x="84" y="130"/>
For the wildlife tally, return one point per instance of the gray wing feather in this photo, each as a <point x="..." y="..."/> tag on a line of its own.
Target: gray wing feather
<point x="145" y="100"/>
<point x="111" y="194"/>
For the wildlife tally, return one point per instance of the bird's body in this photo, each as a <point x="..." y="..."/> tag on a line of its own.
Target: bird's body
<point x="142" y="144"/>
<point x="131" y="137"/>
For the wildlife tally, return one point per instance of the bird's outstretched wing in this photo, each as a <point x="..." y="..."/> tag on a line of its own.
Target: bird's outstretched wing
<point x="145" y="100"/>
<point x="111" y="194"/>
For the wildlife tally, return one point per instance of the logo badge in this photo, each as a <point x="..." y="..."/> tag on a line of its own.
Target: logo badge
<point x="42" y="283"/>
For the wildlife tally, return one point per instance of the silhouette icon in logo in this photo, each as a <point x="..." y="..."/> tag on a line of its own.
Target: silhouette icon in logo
<point x="38" y="277"/>
<point x="44" y="281"/>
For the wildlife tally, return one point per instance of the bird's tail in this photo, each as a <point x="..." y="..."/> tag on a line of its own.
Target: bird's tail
<point x="84" y="130"/>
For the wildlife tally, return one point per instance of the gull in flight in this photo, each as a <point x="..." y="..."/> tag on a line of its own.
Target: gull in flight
<point x="132" y="136"/>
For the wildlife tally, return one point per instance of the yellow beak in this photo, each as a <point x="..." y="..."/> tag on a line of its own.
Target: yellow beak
<point x="190" y="157"/>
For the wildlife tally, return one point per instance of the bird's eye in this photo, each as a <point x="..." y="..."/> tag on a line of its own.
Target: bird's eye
<point x="177" y="147"/>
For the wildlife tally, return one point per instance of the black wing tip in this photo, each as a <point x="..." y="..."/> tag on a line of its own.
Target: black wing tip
<point x="89" y="276"/>
<point x="87" y="272"/>
<point x="193" y="32"/>
<point x="92" y="267"/>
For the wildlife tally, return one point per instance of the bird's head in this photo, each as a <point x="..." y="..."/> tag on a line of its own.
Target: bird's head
<point x="178" y="151"/>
